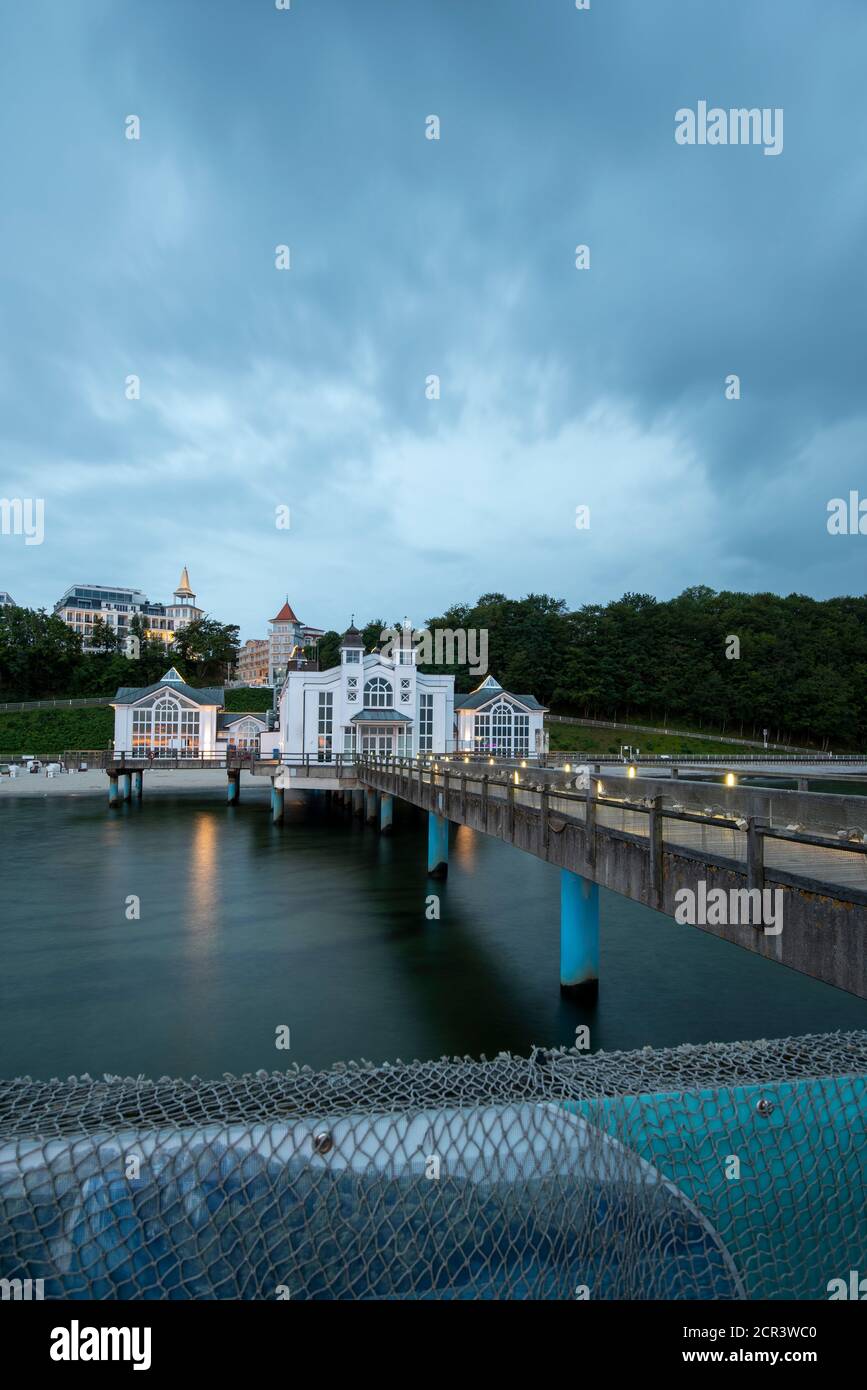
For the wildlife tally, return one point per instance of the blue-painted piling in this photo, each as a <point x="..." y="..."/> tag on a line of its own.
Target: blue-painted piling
<point x="123" y="786"/>
<point x="276" y="804"/>
<point x="234" y="787"/>
<point x="137" y="785"/>
<point x="386" y="811"/>
<point x="437" y="845"/>
<point x="371" y="808"/>
<point x="579" y="937"/>
<point x="113" y="790"/>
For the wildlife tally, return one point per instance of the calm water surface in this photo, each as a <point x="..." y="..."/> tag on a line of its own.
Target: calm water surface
<point x="320" y="925"/>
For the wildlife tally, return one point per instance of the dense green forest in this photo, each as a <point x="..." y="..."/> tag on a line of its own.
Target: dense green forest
<point x="42" y="659"/>
<point x="801" y="671"/>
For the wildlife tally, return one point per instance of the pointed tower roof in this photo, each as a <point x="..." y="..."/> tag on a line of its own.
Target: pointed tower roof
<point x="352" y="637"/>
<point x="172" y="677"/>
<point x="184" y="590"/>
<point x="285" y="615"/>
<point x="489" y="683"/>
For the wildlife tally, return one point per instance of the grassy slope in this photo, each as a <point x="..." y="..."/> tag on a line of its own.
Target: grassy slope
<point x="250" y="698"/>
<point x="580" y="738"/>
<point x="53" y="731"/>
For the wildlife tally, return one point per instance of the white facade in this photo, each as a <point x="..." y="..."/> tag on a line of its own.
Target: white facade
<point x="240" y="732"/>
<point x="367" y="704"/>
<point x="169" y="719"/>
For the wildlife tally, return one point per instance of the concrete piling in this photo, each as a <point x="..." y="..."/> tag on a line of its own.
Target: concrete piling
<point x="437" y="845"/>
<point x="579" y="937"/>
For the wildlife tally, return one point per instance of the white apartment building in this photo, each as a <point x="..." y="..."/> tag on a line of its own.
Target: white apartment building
<point x="83" y="603"/>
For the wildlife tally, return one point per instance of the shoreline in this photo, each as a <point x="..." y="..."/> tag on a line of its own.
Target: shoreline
<point x="93" y="783"/>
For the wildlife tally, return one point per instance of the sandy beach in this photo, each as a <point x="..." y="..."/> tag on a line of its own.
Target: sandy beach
<point x="156" y="781"/>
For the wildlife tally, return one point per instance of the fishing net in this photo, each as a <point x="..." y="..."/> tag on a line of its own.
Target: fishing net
<point x="721" y="1171"/>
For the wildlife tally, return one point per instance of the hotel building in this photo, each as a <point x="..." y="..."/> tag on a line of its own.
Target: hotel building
<point x="286" y="639"/>
<point x="251" y="668"/>
<point x="83" y="603"/>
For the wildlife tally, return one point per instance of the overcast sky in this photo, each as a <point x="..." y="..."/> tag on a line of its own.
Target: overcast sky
<point x="305" y="388"/>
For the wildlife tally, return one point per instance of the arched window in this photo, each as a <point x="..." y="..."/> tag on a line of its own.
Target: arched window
<point x="167" y="723"/>
<point x="244" y="735"/>
<point x="175" y="729"/>
<point x="501" y="727"/>
<point x="377" y="693"/>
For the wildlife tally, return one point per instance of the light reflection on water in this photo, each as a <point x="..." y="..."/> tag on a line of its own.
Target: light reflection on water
<point x="321" y="925"/>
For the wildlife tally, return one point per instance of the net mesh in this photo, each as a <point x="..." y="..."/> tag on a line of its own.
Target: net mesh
<point x="719" y="1171"/>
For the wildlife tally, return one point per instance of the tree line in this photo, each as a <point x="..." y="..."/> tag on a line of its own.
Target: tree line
<point x="41" y="658"/>
<point x="798" y="666"/>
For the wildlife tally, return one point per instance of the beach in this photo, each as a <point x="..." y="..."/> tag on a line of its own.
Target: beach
<point x="95" y="783"/>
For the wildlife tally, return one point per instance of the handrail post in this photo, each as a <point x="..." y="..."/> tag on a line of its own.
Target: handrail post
<point x="654" y="844"/>
<point x="543" y="812"/>
<point x="590" y="829"/>
<point x="484" y="801"/>
<point x="510" y="809"/>
<point x="756" y="852"/>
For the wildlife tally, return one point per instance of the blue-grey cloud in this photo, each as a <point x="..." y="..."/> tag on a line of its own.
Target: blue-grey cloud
<point x="412" y="257"/>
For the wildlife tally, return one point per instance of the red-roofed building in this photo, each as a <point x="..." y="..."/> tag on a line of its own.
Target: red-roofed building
<point x="286" y="638"/>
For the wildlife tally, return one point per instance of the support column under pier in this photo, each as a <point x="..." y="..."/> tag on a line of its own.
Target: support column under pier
<point x="386" y="811"/>
<point x="123" y="786"/>
<point x="579" y="937"/>
<point x="276" y="804"/>
<point x="234" y="787"/>
<point x="372" y="798"/>
<point x="358" y="802"/>
<point x="137" y="782"/>
<point x="437" y="845"/>
<point x="113" y="790"/>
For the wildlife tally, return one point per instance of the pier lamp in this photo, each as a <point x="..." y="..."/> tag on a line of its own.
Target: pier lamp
<point x="730" y="779"/>
<point x="630" y="772"/>
<point x="491" y="761"/>
<point x="599" y="789"/>
<point x="568" y="767"/>
<point x="466" y="760"/>
<point x="517" y="778"/>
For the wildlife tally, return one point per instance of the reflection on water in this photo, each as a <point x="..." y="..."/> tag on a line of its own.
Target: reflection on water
<point x="204" y="880"/>
<point x="462" y="849"/>
<point x="320" y="925"/>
